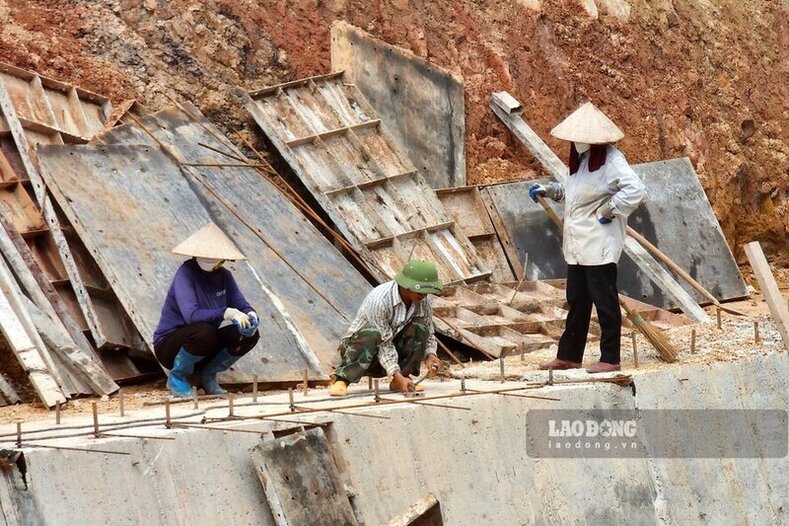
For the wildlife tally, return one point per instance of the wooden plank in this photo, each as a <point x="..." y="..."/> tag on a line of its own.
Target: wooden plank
<point x="18" y="335"/>
<point x="772" y="294"/>
<point x="503" y="234"/>
<point x="7" y="391"/>
<point x="56" y="337"/>
<point x="37" y="284"/>
<point x="18" y="133"/>
<point x="301" y="482"/>
<point x="636" y="252"/>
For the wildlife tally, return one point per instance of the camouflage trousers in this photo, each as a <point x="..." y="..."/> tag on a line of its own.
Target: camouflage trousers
<point x="359" y="352"/>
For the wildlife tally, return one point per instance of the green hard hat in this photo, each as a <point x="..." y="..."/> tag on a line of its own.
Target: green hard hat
<point x="419" y="276"/>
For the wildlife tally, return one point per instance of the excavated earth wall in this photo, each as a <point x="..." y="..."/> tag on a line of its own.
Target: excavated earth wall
<point x="707" y="80"/>
<point x="474" y="462"/>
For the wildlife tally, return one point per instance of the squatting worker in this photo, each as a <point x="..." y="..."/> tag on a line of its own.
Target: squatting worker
<point x="601" y="192"/>
<point x="392" y="332"/>
<point x="206" y="324"/>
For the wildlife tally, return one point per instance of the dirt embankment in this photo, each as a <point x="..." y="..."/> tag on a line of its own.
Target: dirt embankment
<point x="701" y="79"/>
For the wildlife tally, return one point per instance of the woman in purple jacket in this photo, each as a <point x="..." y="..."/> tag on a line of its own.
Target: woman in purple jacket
<point x="205" y="319"/>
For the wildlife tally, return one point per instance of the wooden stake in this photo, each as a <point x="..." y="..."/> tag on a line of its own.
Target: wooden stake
<point x="463" y="384"/>
<point x="377" y="392"/>
<point x="370" y="383"/>
<point x="756" y="337"/>
<point x="450" y="353"/>
<point x="693" y="341"/>
<point x="19" y="434"/>
<point x="306" y="385"/>
<point x="167" y="423"/>
<point x="501" y="368"/>
<point x="120" y="403"/>
<point x="195" y="399"/>
<point x="230" y="405"/>
<point x="290" y="399"/>
<point x="635" y="349"/>
<point x="718" y="317"/>
<point x="550" y="376"/>
<point x="57" y="413"/>
<point x="255" y="388"/>
<point x="95" y="408"/>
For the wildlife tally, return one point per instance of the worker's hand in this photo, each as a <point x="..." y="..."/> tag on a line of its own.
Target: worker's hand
<point x="605" y="215"/>
<point x="402" y="383"/>
<point x="535" y="190"/>
<point x="253" y="319"/>
<point x="433" y="365"/>
<point x="545" y="190"/>
<point x="237" y="317"/>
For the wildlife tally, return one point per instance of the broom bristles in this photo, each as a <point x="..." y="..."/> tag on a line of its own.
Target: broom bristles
<point x="666" y="351"/>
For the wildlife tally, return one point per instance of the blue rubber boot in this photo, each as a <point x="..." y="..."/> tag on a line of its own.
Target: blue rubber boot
<point x="183" y="367"/>
<point x="221" y="361"/>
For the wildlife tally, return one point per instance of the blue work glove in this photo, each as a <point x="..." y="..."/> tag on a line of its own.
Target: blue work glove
<point x="605" y="215"/>
<point x="250" y="329"/>
<point x="535" y="190"/>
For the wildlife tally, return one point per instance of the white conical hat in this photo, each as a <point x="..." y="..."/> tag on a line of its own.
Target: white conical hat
<point x="209" y="242"/>
<point x="589" y="125"/>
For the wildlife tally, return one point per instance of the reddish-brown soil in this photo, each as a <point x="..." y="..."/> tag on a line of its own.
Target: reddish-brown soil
<point x="707" y="80"/>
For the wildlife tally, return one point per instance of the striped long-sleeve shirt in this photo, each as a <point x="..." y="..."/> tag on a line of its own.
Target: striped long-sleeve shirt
<point x="383" y="309"/>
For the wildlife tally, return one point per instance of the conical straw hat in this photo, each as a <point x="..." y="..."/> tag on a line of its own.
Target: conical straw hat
<point x="209" y="242"/>
<point x="589" y="125"/>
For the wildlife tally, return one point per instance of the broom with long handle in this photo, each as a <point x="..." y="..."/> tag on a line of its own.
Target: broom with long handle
<point x="666" y="351"/>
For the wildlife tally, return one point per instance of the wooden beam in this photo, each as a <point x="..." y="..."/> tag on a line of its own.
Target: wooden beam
<point x="18" y="335"/>
<point x="770" y="290"/>
<point x="7" y="391"/>
<point x="56" y="337"/>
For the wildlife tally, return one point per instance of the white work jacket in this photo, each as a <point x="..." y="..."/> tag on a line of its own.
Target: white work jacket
<point x="586" y="241"/>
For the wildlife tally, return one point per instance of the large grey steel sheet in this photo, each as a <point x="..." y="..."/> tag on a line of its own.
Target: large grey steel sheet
<point x="131" y="205"/>
<point x="421" y="103"/>
<point x="676" y="217"/>
<point x="319" y="289"/>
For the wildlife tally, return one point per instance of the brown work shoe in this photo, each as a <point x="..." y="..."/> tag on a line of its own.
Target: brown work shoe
<point x="603" y="367"/>
<point x="560" y="365"/>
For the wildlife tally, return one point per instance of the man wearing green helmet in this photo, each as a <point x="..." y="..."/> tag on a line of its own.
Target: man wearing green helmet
<point x="392" y="332"/>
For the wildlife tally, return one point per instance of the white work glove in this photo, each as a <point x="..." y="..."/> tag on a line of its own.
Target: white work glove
<point x="238" y="317"/>
<point x="253" y="318"/>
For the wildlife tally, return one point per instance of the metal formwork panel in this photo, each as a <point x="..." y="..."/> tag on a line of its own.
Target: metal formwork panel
<point x="131" y="205"/>
<point x="466" y="207"/>
<point x="676" y="217"/>
<point x="319" y="289"/>
<point x="344" y="155"/>
<point x="41" y="111"/>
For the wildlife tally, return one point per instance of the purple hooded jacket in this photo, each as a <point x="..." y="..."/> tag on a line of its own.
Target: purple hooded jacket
<point x="198" y="296"/>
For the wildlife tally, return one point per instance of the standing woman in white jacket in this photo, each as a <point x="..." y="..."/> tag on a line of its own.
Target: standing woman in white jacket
<point x="601" y="192"/>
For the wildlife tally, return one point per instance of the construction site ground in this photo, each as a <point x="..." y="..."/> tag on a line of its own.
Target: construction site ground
<point x="734" y="341"/>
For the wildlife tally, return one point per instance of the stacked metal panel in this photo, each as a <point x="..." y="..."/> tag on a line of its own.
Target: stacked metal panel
<point x="131" y="204"/>
<point x="318" y="288"/>
<point x="332" y="137"/>
<point x="39" y="111"/>
<point x="338" y="147"/>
